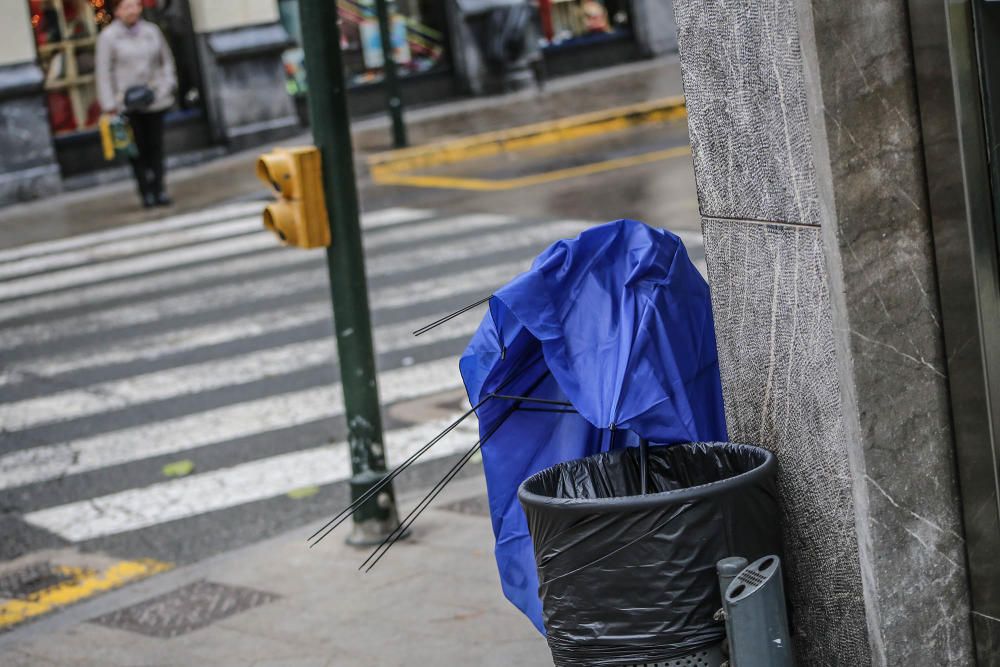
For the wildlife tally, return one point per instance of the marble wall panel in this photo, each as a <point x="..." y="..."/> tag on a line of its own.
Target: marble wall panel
<point x="882" y="261"/>
<point x="779" y="373"/>
<point x="747" y="111"/>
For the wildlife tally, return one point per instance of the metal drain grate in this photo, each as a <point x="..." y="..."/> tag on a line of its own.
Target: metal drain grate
<point x="28" y="580"/>
<point x="185" y="609"/>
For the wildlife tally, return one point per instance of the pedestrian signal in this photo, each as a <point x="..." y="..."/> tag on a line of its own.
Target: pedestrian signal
<point x="299" y="216"/>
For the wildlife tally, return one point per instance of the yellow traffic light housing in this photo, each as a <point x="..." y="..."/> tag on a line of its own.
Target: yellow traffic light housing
<point x="299" y="216"/>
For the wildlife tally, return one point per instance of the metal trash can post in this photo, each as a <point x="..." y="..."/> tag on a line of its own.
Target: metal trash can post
<point x="756" y="617"/>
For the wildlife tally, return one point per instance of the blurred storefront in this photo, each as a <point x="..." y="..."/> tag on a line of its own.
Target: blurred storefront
<point x="420" y="39"/>
<point x="240" y="73"/>
<point x="65" y="35"/>
<point x="231" y="87"/>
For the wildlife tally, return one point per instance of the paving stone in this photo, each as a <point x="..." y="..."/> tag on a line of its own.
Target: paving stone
<point x="476" y="506"/>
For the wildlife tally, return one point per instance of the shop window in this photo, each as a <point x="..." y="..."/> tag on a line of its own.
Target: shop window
<point x="65" y="34"/>
<point x="66" y="37"/>
<point x="569" y="21"/>
<point x="418" y="38"/>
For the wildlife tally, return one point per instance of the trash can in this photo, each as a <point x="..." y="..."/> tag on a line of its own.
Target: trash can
<point x="630" y="579"/>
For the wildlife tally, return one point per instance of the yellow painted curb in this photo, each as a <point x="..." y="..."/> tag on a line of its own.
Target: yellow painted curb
<point x="484" y="185"/>
<point x="387" y="164"/>
<point x="83" y="584"/>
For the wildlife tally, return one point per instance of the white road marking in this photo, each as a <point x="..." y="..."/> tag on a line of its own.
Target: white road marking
<point x="483" y="247"/>
<point x="179" y="258"/>
<point x="372" y="220"/>
<point x="95" y="294"/>
<point x="207" y="216"/>
<point x="440" y="227"/>
<point x="228" y="487"/>
<point x="176" y="258"/>
<point x="118" y="249"/>
<point x="152" y="347"/>
<point x="170" y="436"/>
<point x="195" y="378"/>
<point x="253" y="239"/>
<point x="388" y="217"/>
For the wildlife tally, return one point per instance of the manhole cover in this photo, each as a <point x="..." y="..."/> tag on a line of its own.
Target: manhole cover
<point x="25" y="581"/>
<point x="476" y="505"/>
<point x="186" y="609"/>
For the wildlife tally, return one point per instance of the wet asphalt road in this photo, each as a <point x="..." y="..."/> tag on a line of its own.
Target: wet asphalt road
<point x="53" y="345"/>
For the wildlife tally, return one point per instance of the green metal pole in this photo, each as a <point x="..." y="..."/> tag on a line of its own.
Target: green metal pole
<point x="345" y="260"/>
<point x="390" y="78"/>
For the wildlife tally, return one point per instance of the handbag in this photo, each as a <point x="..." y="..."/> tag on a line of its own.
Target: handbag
<point x="139" y="98"/>
<point x="116" y="137"/>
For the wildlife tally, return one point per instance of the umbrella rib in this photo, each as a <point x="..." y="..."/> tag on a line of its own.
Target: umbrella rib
<point x="349" y="511"/>
<point x="353" y="507"/>
<point x="530" y="399"/>
<point x="404" y="525"/>
<point x="427" y="327"/>
<point x="415" y="513"/>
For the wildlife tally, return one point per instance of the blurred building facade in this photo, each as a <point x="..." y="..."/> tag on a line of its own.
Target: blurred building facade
<point x="240" y="70"/>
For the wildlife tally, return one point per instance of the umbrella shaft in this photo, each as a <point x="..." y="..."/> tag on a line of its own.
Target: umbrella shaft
<point x="644" y="464"/>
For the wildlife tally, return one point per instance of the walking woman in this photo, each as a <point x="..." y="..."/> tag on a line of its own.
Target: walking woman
<point x="136" y="77"/>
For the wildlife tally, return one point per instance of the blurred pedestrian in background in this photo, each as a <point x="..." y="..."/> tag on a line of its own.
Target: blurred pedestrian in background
<point x="595" y="17"/>
<point x="136" y="77"/>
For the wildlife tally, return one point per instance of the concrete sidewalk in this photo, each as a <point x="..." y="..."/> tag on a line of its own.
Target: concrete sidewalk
<point x="435" y="599"/>
<point x="231" y="177"/>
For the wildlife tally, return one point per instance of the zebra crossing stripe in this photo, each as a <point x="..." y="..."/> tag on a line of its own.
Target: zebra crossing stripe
<point x="175" y="258"/>
<point x="232" y="229"/>
<point x="394" y="296"/>
<point x="255" y="239"/>
<point x="133" y="246"/>
<point x="208" y="216"/>
<point x="371" y="220"/>
<point x="94" y="294"/>
<point x="261" y="479"/>
<point x="179" y="258"/>
<point x="149" y="348"/>
<point x="388" y="217"/>
<point x="483" y="248"/>
<point x="47" y="462"/>
<point x="190" y="379"/>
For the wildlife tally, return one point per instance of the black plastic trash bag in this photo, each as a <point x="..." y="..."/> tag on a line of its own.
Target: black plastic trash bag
<point x="626" y="578"/>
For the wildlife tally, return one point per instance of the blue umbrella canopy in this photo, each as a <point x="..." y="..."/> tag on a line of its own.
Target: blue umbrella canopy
<point x="610" y="335"/>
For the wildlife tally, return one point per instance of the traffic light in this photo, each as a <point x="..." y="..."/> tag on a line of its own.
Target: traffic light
<point x="299" y="216"/>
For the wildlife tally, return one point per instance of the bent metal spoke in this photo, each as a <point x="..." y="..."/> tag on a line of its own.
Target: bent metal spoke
<point x="348" y="511"/>
<point x="400" y="530"/>
<point x="530" y="399"/>
<point x="415" y="513"/>
<point x="424" y="329"/>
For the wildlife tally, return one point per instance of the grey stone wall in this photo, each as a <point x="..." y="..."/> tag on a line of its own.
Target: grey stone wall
<point x="807" y="159"/>
<point x="751" y="145"/>
<point x="247" y="100"/>
<point x="28" y="167"/>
